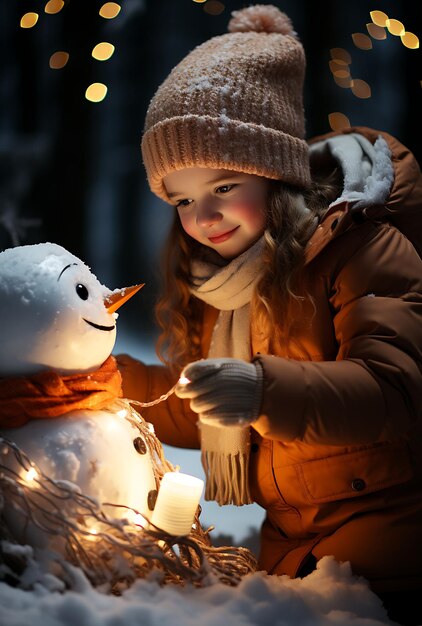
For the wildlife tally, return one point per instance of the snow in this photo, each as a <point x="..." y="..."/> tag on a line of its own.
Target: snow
<point x="329" y="596"/>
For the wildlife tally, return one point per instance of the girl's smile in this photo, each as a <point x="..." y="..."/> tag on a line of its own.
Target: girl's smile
<point x="223" y="237"/>
<point x="222" y="209"/>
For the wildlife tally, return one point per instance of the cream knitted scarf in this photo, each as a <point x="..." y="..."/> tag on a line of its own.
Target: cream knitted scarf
<point x="225" y="450"/>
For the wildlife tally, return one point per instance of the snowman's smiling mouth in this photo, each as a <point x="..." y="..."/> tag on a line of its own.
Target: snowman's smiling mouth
<point x="98" y="325"/>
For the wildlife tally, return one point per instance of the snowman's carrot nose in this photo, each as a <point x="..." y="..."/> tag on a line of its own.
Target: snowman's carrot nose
<point x="115" y="300"/>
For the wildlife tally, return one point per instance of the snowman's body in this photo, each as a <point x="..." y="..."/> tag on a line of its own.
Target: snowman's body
<point x="99" y="451"/>
<point x="53" y="316"/>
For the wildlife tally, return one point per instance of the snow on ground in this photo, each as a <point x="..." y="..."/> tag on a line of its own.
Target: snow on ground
<point x="330" y="596"/>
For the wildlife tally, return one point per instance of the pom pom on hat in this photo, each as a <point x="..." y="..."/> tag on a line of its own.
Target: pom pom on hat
<point x="234" y="103"/>
<point x="261" y="18"/>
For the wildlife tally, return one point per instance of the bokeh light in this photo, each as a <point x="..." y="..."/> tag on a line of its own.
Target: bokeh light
<point x="29" y="20"/>
<point x="103" y="51"/>
<point x="362" y="41"/>
<point x="395" y="27"/>
<point x="410" y="40"/>
<point x="214" y="7"/>
<point x="199" y="1"/>
<point x="344" y="82"/>
<point x="337" y="121"/>
<point x="379" y="18"/>
<point x="59" y="59"/>
<point x="96" y="92"/>
<point x="109" y="10"/>
<point x="340" y="55"/>
<point x="339" y="69"/>
<point x="360" y="88"/>
<point x="54" y="6"/>
<point x="376" y="32"/>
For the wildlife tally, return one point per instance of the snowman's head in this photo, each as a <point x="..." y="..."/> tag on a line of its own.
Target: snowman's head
<point x="52" y="313"/>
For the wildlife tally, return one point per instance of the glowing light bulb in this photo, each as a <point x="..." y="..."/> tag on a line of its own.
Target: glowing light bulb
<point x="183" y="380"/>
<point x="29" y="20"/>
<point x="31" y="475"/>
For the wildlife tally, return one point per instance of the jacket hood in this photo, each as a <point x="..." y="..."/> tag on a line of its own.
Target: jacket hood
<point x="382" y="181"/>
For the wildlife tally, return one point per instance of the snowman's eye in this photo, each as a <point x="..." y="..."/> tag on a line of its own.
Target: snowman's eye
<point x="82" y="291"/>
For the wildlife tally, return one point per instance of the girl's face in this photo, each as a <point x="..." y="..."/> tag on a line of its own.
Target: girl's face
<point x="221" y="209"/>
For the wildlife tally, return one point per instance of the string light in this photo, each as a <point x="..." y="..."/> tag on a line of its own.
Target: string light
<point x="103" y="51"/>
<point x="109" y="10"/>
<point x="96" y="92"/>
<point x="58" y="60"/>
<point x="29" y="20"/>
<point x="54" y="6"/>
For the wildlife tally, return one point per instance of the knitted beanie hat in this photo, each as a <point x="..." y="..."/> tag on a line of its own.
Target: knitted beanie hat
<point x="234" y="102"/>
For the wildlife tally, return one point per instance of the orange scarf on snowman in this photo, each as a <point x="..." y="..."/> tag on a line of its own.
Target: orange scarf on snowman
<point x="48" y="394"/>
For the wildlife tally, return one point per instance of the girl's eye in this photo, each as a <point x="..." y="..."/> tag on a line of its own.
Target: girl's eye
<point x="225" y="188"/>
<point x="82" y="291"/>
<point x="182" y="203"/>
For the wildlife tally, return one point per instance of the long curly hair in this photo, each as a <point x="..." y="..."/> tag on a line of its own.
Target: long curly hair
<point x="292" y="217"/>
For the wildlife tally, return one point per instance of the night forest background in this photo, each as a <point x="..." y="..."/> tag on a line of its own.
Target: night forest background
<point x="71" y="169"/>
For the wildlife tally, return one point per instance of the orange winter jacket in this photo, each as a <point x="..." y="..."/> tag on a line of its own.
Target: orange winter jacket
<point x="336" y="455"/>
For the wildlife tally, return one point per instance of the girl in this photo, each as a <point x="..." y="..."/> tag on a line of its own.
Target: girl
<point x="292" y="302"/>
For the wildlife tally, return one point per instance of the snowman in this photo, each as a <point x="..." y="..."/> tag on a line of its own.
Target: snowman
<point x="59" y="382"/>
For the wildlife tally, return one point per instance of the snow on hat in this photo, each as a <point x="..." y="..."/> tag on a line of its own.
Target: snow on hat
<point x="234" y="102"/>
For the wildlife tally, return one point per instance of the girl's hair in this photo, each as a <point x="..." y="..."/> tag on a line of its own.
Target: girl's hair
<point x="292" y="217"/>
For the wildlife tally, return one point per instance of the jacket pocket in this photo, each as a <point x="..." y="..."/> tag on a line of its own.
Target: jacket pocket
<point x="355" y="473"/>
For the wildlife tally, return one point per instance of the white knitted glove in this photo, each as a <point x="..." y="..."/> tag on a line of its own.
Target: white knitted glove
<point x="224" y="392"/>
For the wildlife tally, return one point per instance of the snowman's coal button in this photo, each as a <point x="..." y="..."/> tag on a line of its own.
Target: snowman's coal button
<point x="140" y="445"/>
<point x="152" y="498"/>
<point x="358" y="484"/>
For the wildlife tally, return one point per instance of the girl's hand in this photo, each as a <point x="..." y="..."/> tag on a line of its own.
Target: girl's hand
<point x="224" y="392"/>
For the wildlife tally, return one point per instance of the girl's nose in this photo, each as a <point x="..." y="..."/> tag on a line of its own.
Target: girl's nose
<point x="208" y="214"/>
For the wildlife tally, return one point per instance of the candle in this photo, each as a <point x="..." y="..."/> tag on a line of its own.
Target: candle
<point x="177" y="501"/>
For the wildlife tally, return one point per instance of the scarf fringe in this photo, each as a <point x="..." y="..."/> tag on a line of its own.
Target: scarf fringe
<point x="218" y="467"/>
